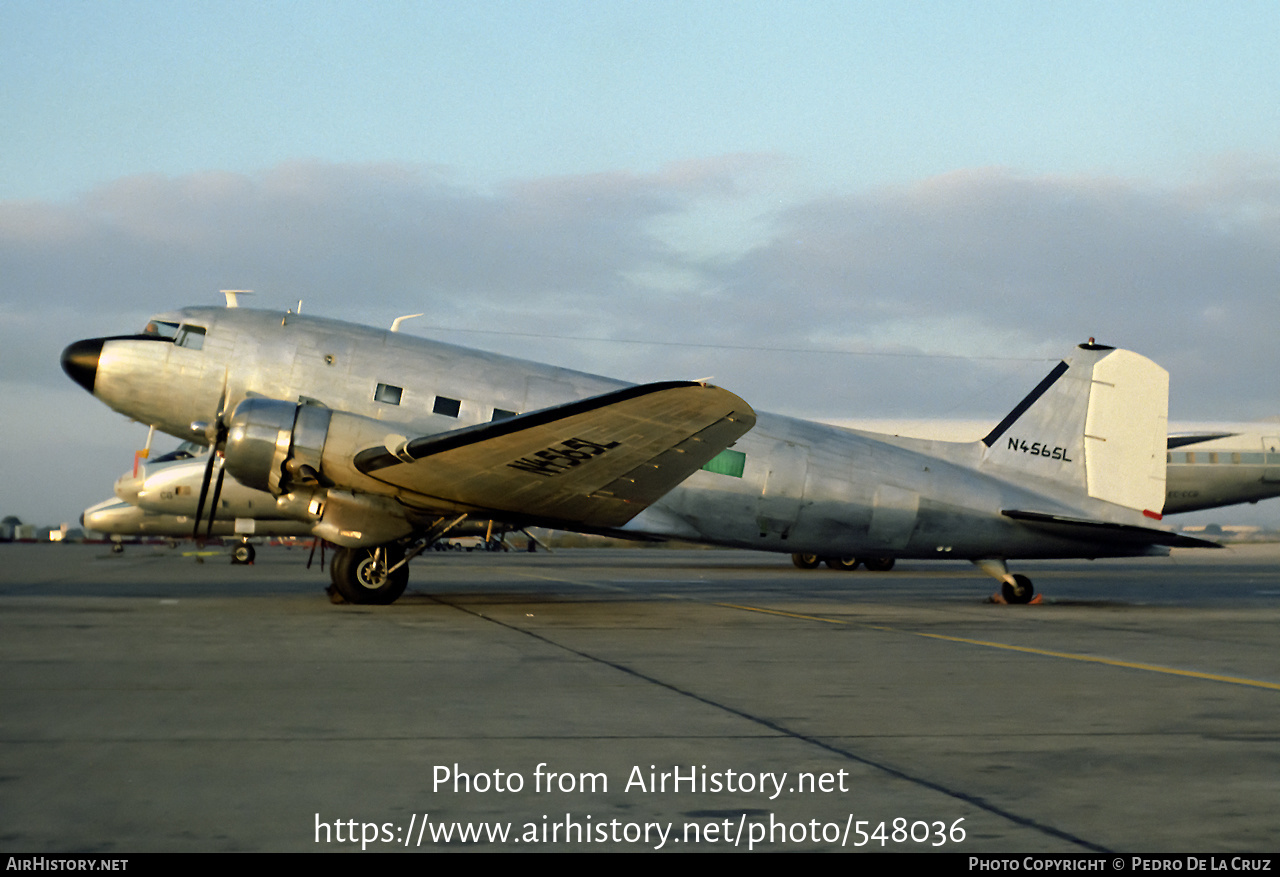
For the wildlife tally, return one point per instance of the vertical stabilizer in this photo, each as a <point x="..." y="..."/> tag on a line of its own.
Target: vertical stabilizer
<point x="1097" y="423"/>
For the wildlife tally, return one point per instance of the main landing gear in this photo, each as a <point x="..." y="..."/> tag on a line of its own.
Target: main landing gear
<point x="846" y="562"/>
<point x="369" y="575"/>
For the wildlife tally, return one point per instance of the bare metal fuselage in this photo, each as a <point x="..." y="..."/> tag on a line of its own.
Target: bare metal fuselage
<point x="803" y="486"/>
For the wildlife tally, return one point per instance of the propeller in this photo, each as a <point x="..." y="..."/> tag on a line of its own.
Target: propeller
<point x="218" y="433"/>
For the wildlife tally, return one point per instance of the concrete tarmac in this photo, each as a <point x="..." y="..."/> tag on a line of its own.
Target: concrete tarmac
<point x="153" y="703"/>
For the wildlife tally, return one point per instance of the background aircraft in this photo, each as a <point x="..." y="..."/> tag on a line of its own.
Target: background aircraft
<point x="159" y="497"/>
<point x="1208" y="470"/>
<point x="380" y="441"/>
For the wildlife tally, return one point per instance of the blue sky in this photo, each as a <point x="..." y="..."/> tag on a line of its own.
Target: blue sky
<point x="844" y="209"/>
<point x="853" y="93"/>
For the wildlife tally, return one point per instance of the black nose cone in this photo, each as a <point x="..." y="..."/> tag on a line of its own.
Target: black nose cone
<point x="80" y="362"/>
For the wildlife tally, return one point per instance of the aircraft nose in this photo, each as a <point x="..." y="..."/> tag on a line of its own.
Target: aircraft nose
<point x="80" y="361"/>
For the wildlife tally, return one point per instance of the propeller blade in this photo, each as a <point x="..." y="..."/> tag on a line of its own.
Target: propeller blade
<point x="217" y="494"/>
<point x="219" y="440"/>
<point x="204" y="491"/>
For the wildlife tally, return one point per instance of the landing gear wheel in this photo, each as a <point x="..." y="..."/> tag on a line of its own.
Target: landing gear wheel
<point x="846" y="563"/>
<point x="360" y="574"/>
<point x="243" y="553"/>
<point x="806" y="561"/>
<point x="117" y="548"/>
<point x="880" y="564"/>
<point x="1020" y="592"/>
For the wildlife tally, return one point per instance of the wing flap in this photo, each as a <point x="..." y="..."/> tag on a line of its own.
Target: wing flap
<point x="593" y="462"/>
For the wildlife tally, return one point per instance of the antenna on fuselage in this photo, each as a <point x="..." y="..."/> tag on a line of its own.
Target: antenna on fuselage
<point x="290" y="313"/>
<point x="233" y="296"/>
<point x="395" y="324"/>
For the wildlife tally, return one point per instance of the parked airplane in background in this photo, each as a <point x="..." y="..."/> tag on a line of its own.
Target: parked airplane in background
<point x="379" y="441"/>
<point x="158" y="497"/>
<point x="1208" y="470"/>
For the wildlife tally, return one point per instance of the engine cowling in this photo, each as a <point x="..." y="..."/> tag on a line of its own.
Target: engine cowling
<point x="273" y="445"/>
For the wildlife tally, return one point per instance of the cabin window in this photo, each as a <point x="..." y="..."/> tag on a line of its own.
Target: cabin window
<point x="502" y="414"/>
<point x="387" y="393"/>
<point x="191" y="337"/>
<point x="446" y="406"/>
<point x="727" y="462"/>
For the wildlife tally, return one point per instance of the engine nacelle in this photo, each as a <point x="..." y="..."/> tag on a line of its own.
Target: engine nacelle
<point x="273" y="445"/>
<point x="279" y="447"/>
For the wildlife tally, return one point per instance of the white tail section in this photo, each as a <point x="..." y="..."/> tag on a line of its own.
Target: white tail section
<point x="1098" y="424"/>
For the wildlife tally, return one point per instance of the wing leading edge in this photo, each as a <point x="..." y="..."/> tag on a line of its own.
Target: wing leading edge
<point x="594" y="462"/>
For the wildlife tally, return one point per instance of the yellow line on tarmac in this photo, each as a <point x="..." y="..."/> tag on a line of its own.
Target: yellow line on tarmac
<point x="1130" y="665"/>
<point x="786" y="614"/>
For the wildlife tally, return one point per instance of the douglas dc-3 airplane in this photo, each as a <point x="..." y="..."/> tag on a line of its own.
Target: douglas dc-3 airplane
<point x="379" y="441"/>
<point x="1208" y="470"/>
<point x="158" y="498"/>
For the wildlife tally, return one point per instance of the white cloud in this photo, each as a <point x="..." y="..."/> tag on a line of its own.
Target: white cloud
<point x="1007" y="268"/>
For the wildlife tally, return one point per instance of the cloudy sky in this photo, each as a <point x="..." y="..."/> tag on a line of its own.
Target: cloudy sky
<point x="837" y="210"/>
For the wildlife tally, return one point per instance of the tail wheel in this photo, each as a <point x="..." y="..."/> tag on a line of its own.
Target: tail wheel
<point x="243" y="553"/>
<point x="1021" y="591"/>
<point x="880" y="564"/>
<point x="806" y="561"/>
<point x="846" y="563"/>
<point x="361" y="574"/>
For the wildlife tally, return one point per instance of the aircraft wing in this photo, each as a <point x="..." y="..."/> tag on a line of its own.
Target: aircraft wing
<point x="594" y="462"/>
<point x="1104" y="531"/>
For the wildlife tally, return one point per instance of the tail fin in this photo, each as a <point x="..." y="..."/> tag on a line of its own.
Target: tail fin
<point x="1099" y="422"/>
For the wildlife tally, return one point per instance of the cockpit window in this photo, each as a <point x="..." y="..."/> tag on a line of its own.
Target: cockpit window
<point x="184" y="451"/>
<point x="190" y="336"/>
<point x="161" y="329"/>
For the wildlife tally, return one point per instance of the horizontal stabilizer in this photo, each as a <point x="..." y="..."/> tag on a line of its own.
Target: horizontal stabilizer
<point x="1181" y="441"/>
<point x="594" y="462"/>
<point x="1104" y="531"/>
